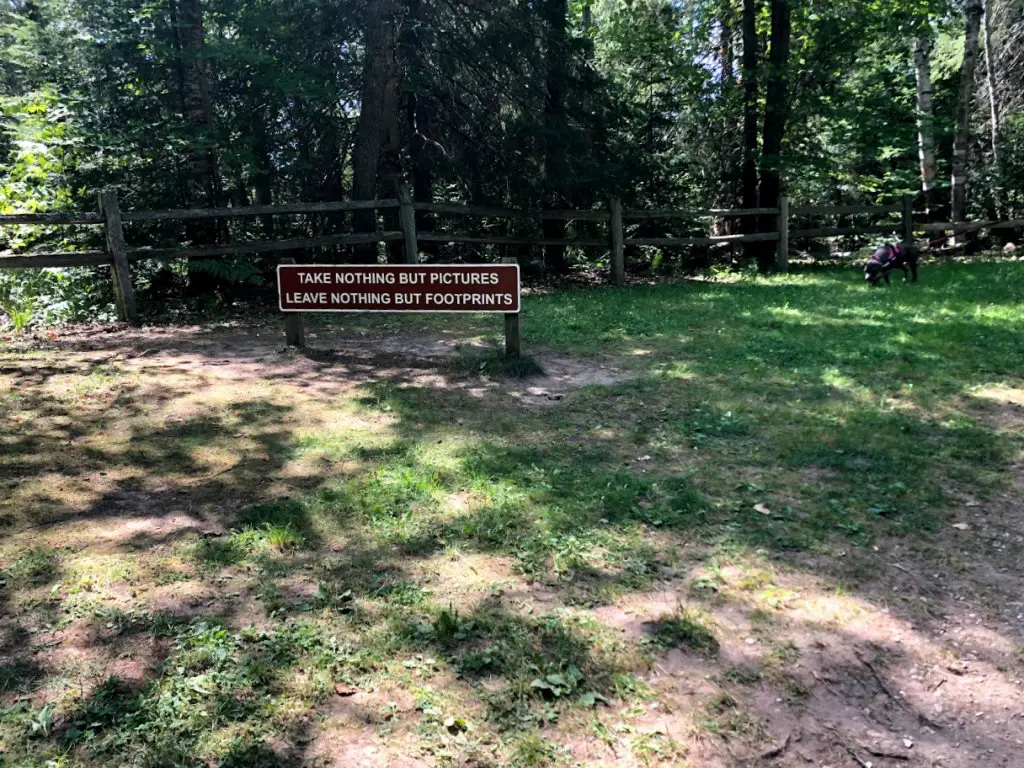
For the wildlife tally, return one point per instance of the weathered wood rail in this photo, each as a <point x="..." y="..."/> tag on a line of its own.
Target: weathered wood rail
<point x="119" y="255"/>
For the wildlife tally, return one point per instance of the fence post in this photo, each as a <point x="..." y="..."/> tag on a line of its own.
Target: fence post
<point x="124" y="293"/>
<point x="908" y="219"/>
<point x="782" y="249"/>
<point x="618" y="243"/>
<point x="294" y="325"/>
<point x="407" y="221"/>
<point x="513" y="337"/>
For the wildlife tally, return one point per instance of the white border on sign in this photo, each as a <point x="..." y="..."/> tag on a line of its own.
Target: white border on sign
<point x="516" y="311"/>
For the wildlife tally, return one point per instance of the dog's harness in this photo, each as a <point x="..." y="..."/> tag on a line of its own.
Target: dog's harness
<point x="885" y="258"/>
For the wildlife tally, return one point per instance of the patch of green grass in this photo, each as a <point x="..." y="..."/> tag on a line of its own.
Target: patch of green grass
<point x="35" y="566"/>
<point x="259" y="543"/>
<point x="530" y="750"/>
<point x="648" y="747"/>
<point x="214" y="678"/>
<point x="493" y="363"/>
<point x="19" y="675"/>
<point x="720" y="702"/>
<point x="686" y="628"/>
<point x="741" y="674"/>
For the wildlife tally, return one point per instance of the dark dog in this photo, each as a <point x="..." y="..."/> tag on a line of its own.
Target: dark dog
<point x="890" y="257"/>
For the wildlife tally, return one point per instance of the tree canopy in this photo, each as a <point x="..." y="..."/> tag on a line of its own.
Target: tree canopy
<point x="528" y="103"/>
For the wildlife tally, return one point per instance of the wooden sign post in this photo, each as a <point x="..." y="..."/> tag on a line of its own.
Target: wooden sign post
<point x="401" y="288"/>
<point x="513" y="338"/>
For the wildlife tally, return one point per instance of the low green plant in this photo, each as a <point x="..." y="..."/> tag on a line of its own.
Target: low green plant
<point x="34" y="566"/>
<point x="686" y="628"/>
<point x="494" y="363"/>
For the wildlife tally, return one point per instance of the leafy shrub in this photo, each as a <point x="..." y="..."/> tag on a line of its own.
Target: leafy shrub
<point x="42" y="297"/>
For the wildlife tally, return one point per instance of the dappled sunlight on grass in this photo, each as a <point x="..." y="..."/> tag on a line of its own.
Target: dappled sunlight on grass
<point x="833" y="378"/>
<point x="286" y="566"/>
<point x="1000" y="394"/>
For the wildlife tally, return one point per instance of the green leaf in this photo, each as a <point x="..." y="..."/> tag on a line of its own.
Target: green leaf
<point x="590" y="699"/>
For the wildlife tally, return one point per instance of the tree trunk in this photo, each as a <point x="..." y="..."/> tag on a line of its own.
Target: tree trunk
<point x="391" y="166"/>
<point x="198" y="109"/>
<point x="419" y="122"/>
<point x="262" y="177"/>
<point x="555" y="125"/>
<point x="372" y="125"/>
<point x="925" y="120"/>
<point x="775" y="112"/>
<point x="963" y="113"/>
<point x="200" y="183"/>
<point x="748" y="173"/>
<point x="993" y="99"/>
<point x="726" y="197"/>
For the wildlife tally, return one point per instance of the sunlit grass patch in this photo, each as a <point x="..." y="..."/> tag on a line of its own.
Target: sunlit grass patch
<point x="213" y="679"/>
<point x="648" y="747"/>
<point x="34" y="566"/>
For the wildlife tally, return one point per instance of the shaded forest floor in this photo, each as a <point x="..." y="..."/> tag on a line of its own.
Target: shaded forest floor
<point x="766" y="522"/>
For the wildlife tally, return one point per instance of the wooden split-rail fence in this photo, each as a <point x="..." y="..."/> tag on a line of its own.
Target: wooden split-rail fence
<point x="120" y="256"/>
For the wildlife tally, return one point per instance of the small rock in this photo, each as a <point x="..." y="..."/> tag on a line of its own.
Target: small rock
<point x="345" y="690"/>
<point x="762" y="509"/>
<point x="962" y="526"/>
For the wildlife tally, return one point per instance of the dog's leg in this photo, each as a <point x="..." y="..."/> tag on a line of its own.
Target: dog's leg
<point x="913" y="270"/>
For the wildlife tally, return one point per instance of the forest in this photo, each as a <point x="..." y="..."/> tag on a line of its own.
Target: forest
<point x="523" y="104"/>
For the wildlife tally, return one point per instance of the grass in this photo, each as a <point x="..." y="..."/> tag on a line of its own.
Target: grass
<point x="396" y="535"/>
<point x="494" y="363"/>
<point x="686" y="628"/>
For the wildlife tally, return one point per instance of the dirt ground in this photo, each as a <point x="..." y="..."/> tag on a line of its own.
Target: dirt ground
<point x="919" y="663"/>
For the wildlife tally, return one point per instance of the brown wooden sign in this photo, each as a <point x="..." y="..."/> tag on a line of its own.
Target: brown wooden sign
<point x="398" y="288"/>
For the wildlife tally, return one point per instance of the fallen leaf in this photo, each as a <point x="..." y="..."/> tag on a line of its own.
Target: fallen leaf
<point x="344" y="690"/>
<point x="762" y="509"/>
<point x="962" y="526"/>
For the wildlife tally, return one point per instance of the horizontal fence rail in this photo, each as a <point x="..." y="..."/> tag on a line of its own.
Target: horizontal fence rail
<point x="759" y="237"/>
<point x="51" y="218"/>
<point x="260" y="246"/>
<point x="969" y="226"/>
<point x="662" y="213"/>
<point x="43" y="260"/>
<point x="118" y="255"/>
<point x="866" y="229"/>
<point x="439" y="237"/>
<point x="843" y="210"/>
<point x="513" y="213"/>
<point x="257" y="210"/>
